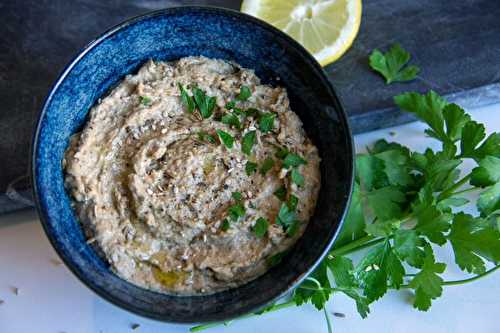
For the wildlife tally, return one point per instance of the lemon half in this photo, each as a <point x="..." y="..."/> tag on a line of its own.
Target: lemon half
<point x="326" y="28"/>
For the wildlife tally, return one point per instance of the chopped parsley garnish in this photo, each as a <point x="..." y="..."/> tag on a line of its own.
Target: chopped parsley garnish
<point x="247" y="142"/>
<point x="145" y="100"/>
<point x="236" y="196"/>
<point x="236" y="211"/>
<point x="250" y="167"/>
<point x="292" y="202"/>
<point x="225" y="225"/>
<point x="244" y="94"/>
<point x="260" y="227"/>
<point x="281" y="153"/>
<point x="297" y="177"/>
<point x="230" y="105"/>
<point x="204" y="136"/>
<point x="206" y="104"/>
<point x="251" y="112"/>
<point x="392" y="64"/>
<point x="277" y="258"/>
<point x="293" y="160"/>
<point x="231" y="120"/>
<point x="286" y="217"/>
<point x="187" y="100"/>
<point x="238" y="111"/>
<point x="280" y="193"/>
<point x="294" y="227"/>
<point x="226" y="138"/>
<point x="266" y="165"/>
<point x="266" y="122"/>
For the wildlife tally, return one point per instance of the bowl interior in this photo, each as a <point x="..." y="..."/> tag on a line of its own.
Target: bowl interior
<point x="167" y="35"/>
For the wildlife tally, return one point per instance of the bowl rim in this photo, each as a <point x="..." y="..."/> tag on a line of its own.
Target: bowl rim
<point x="82" y="52"/>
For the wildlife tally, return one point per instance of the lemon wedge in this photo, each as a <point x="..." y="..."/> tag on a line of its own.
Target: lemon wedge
<point x="326" y="28"/>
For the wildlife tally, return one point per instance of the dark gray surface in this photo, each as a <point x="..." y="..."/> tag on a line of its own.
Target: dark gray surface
<point x="456" y="43"/>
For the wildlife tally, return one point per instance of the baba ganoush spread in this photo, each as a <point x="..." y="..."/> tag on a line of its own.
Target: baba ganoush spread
<point x="191" y="176"/>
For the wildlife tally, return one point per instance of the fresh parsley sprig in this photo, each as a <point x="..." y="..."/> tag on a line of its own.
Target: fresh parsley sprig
<point x="404" y="202"/>
<point x="205" y="104"/>
<point x="392" y="64"/>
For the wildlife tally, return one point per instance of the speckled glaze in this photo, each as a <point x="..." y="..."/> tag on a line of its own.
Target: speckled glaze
<point x="167" y="35"/>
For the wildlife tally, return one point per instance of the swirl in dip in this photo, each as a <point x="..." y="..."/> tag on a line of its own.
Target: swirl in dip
<point x="191" y="175"/>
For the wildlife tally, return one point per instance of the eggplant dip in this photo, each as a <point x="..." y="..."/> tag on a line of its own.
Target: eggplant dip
<point x="191" y="176"/>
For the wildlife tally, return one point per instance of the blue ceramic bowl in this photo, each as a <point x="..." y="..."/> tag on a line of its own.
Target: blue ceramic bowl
<point x="167" y="35"/>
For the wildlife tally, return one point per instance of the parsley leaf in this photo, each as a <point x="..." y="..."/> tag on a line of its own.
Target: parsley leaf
<point x="276" y="259"/>
<point x="292" y="202"/>
<point x="297" y="177"/>
<point x="392" y="64"/>
<point x="433" y="224"/>
<point x="487" y="173"/>
<point x="226" y="138"/>
<point x="267" y="165"/>
<point x="236" y="211"/>
<point x="428" y="108"/>
<point x="293" y="160"/>
<point x="251" y="112"/>
<point x="260" y="227"/>
<point x="354" y="226"/>
<point x="280" y="193"/>
<point x="370" y="172"/>
<point x="471" y="243"/>
<point x="247" y="142"/>
<point x="238" y="111"/>
<point x="489" y="200"/>
<point x="244" y="94"/>
<point x="490" y="146"/>
<point x="231" y="120"/>
<point x="342" y="270"/>
<point x="237" y="196"/>
<point x="186" y="99"/>
<point x="407" y="245"/>
<point x="395" y="167"/>
<point x="266" y="122"/>
<point x="286" y="217"/>
<point x="378" y="269"/>
<point x="204" y="136"/>
<point x="455" y="118"/>
<point x="205" y="103"/>
<point x="293" y="228"/>
<point x="472" y="134"/>
<point x="225" y="225"/>
<point x="250" y="167"/>
<point x="386" y="201"/>
<point x="281" y="153"/>
<point x="427" y="283"/>
<point x="145" y="100"/>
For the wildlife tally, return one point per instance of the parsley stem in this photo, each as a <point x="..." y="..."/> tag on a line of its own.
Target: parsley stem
<point x="471" y="279"/>
<point x="272" y="308"/>
<point x="472" y="189"/>
<point x="328" y="321"/>
<point x="319" y="288"/>
<point x="353" y="246"/>
<point x="449" y="192"/>
<point x="464" y="281"/>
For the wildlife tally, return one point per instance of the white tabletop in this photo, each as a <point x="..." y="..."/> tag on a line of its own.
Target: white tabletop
<point x="51" y="300"/>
